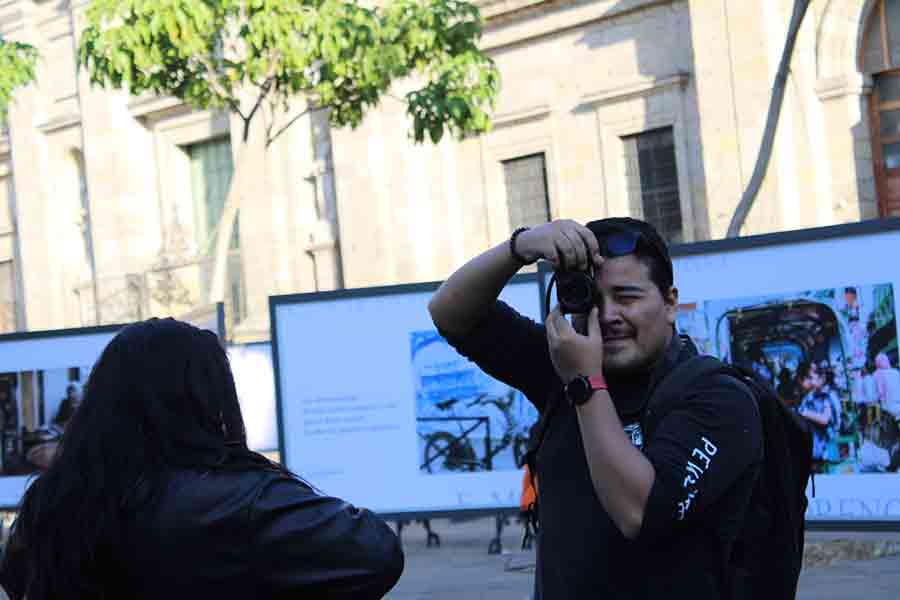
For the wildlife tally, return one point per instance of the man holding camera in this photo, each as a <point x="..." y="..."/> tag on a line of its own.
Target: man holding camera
<point x="621" y="515"/>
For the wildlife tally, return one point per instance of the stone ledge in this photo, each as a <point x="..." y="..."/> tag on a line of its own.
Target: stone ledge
<point x="826" y="553"/>
<point x="815" y="554"/>
<point x="844" y="85"/>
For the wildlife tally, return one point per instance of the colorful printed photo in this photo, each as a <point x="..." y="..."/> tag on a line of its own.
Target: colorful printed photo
<point x="832" y="356"/>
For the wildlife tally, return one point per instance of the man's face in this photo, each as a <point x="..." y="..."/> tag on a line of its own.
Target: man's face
<point x="635" y="318"/>
<point x="850" y="298"/>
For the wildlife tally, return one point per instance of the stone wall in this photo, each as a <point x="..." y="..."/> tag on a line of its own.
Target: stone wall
<point x="368" y="207"/>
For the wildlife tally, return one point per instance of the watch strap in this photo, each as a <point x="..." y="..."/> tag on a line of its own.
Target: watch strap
<point x="589" y="385"/>
<point x="597" y="382"/>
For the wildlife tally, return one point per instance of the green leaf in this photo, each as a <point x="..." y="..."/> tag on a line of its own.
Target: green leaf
<point x="17" y="69"/>
<point x="341" y="52"/>
<point x="458" y="108"/>
<point x="436" y="132"/>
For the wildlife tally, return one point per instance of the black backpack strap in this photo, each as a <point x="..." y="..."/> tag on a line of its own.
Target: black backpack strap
<point x="670" y="389"/>
<point x="535" y="439"/>
<point x="667" y="395"/>
<point x="537" y="433"/>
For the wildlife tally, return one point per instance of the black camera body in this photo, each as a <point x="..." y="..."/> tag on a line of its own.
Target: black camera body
<point x="576" y="291"/>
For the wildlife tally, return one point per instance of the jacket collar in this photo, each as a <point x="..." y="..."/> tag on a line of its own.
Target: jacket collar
<point x="630" y="394"/>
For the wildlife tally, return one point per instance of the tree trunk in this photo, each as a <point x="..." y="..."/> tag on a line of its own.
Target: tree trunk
<point x="248" y="171"/>
<point x="768" y="142"/>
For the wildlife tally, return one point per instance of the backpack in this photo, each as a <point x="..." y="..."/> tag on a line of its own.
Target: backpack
<point x="765" y="558"/>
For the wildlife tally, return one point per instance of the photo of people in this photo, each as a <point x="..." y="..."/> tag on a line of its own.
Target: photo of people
<point x="831" y="355"/>
<point x="35" y="407"/>
<point x="466" y="421"/>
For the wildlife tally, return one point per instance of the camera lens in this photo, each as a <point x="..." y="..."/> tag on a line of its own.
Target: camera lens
<point x="575" y="292"/>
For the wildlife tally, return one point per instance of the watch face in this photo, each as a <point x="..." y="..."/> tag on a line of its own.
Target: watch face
<point x="578" y="391"/>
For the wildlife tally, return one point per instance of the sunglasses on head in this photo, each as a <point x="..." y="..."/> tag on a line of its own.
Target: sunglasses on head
<point x="620" y="243"/>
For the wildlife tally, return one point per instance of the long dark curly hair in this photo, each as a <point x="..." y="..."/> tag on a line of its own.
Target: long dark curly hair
<point x="161" y="396"/>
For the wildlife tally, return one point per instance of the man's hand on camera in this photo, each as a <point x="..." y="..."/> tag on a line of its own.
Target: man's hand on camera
<point x="572" y="353"/>
<point x="564" y="243"/>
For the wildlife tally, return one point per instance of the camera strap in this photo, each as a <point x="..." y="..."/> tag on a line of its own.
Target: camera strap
<point x="547" y="299"/>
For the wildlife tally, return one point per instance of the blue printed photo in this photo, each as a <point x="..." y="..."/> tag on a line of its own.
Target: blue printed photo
<point x="466" y="421"/>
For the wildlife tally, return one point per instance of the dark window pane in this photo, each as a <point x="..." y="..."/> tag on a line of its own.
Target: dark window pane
<point x="888" y="88"/>
<point x="890" y="123"/>
<point x="660" y="201"/>
<point x="526" y="191"/>
<point x="211" y="169"/>
<point x="236" y="286"/>
<point x="891" y="155"/>
<point x="892" y="13"/>
<point x="873" y="59"/>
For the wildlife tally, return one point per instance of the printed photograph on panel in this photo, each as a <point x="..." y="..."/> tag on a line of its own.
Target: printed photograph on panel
<point x="35" y="407"/>
<point x="466" y="421"/>
<point x="831" y="354"/>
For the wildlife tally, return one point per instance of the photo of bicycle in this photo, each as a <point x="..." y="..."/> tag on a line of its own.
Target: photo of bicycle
<point x="466" y="421"/>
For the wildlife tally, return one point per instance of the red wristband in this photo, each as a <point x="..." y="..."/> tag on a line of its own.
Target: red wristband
<point x="598" y="382"/>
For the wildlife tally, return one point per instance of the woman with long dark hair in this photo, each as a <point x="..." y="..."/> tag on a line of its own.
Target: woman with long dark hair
<point x="154" y="494"/>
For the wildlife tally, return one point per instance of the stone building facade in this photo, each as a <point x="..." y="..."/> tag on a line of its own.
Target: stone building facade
<point x="655" y="108"/>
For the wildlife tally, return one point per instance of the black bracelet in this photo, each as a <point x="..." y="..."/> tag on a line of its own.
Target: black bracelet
<point x="512" y="246"/>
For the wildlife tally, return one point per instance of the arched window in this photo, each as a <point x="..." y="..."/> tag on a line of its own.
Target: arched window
<point x="881" y="59"/>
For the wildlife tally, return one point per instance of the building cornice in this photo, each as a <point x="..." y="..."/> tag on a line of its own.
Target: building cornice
<point x="511" y="22"/>
<point x="153" y="107"/>
<point x="495" y="11"/>
<point x="857" y="84"/>
<point x="59" y="123"/>
<point x="12" y="16"/>
<point x="530" y="113"/>
<point x="633" y="88"/>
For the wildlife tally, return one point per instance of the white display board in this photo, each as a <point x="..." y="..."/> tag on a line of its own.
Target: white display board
<point x="375" y="407"/>
<point x="827" y="296"/>
<point x="251" y="365"/>
<point x="35" y="371"/>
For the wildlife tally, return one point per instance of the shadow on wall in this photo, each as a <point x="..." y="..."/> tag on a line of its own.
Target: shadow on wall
<point x="654" y="32"/>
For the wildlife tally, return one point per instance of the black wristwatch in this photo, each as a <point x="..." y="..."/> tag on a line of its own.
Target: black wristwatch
<point x="579" y="390"/>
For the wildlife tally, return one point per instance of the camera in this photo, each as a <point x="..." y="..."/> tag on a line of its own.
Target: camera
<point x="575" y="290"/>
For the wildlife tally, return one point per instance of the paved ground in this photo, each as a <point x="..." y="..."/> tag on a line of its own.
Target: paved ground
<point x="462" y="567"/>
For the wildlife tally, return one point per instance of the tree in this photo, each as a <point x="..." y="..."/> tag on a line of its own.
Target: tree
<point x="255" y="58"/>
<point x="17" y="65"/>
<point x="768" y="141"/>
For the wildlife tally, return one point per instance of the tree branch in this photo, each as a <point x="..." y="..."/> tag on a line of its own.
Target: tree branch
<point x="272" y="139"/>
<point x="217" y="87"/>
<point x="397" y="98"/>
<point x="267" y="84"/>
<point x="262" y="95"/>
<point x="273" y="110"/>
